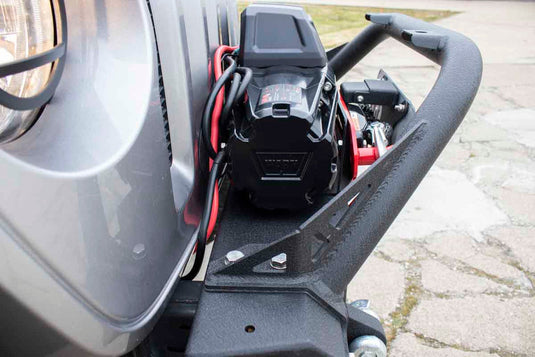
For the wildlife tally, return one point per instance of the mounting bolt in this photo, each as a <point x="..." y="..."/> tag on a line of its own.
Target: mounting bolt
<point x="360" y="99"/>
<point x="364" y="305"/>
<point x="400" y="107"/>
<point x="327" y="86"/>
<point x="233" y="256"/>
<point x="279" y="262"/>
<point x="361" y="304"/>
<point x="139" y="251"/>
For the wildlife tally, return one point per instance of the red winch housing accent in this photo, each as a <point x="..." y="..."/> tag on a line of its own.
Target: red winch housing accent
<point x="359" y="156"/>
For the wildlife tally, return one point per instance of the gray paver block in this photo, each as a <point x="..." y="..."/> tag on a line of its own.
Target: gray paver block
<point x="480" y="322"/>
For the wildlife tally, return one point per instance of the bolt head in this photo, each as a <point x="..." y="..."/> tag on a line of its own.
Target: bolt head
<point x="400" y="107"/>
<point x="334" y="168"/>
<point x="361" y="304"/>
<point x="360" y="99"/>
<point x="279" y="261"/>
<point x="327" y="86"/>
<point x="139" y="251"/>
<point x="233" y="256"/>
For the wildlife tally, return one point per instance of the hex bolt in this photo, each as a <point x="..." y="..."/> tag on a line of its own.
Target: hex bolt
<point x="364" y="305"/>
<point x="327" y="86"/>
<point x="400" y="107"/>
<point x="361" y="304"/>
<point x="233" y="256"/>
<point x="379" y="137"/>
<point x="334" y="167"/>
<point x="139" y="251"/>
<point x="279" y="262"/>
<point x="360" y="99"/>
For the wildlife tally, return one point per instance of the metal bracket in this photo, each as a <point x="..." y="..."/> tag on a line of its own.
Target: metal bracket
<point x="247" y="298"/>
<point x="242" y="295"/>
<point x="309" y="247"/>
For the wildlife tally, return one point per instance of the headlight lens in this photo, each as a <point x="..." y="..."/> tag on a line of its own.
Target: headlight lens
<point x="26" y="28"/>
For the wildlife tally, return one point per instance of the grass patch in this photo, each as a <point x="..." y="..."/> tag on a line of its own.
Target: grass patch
<point x="339" y="24"/>
<point x="411" y="295"/>
<point x="400" y="316"/>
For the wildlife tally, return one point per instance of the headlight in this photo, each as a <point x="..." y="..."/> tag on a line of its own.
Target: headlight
<point x="27" y="29"/>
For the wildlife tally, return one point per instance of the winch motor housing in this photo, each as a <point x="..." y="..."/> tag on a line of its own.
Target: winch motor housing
<point x="284" y="152"/>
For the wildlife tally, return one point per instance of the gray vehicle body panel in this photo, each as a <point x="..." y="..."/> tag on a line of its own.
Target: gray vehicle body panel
<point x="94" y="221"/>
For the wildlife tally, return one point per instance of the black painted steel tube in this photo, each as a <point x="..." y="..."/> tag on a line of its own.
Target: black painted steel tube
<point x="441" y="112"/>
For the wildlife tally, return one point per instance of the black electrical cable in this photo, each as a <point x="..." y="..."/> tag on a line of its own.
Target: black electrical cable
<point x="237" y="90"/>
<point x="247" y="75"/>
<point x="205" y="220"/>
<point x="227" y="55"/>
<point x="209" y="107"/>
<point x="236" y="93"/>
<point x="207" y="114"/>
<point x="230" y="100"/>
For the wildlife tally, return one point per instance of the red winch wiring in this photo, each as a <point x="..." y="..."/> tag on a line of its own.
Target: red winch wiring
<point x="214" y="136"/>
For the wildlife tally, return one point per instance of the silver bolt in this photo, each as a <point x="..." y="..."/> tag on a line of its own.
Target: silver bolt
<point x="378" y="136"/>
<point x="334" y="167"/>
<point x="367" y="346"/>
<point x="340" y="143"/>
<point x="327" y="86"/>
<point x="360" y="99"/>
<point x="400" y="107"/>
<point x="139" y="251"/>
<point x="233" y="256"/>
<point x="361" y="304"/>
<point x="279" y="261"/>
<point x="364" y="305"/>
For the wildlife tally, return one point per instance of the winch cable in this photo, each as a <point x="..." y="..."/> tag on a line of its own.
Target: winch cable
<point x="247" y="76"/>
<point x="218" y="106"/>
<point x="218" y="72"/>
<point x="218" y="164"/>
<point x="213" y="110"/>
<point x="207" y="124"/>
<point x="218" y="69"/>
<point x="241" y="80"/>
<point x="231" y="98"/>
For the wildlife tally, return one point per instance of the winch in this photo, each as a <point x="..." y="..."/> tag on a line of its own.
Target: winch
<point x="277" y="124"/>
<point x="284" y="151"/>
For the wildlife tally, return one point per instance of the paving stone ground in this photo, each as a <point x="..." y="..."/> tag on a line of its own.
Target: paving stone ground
<point x="455" y="274"/>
